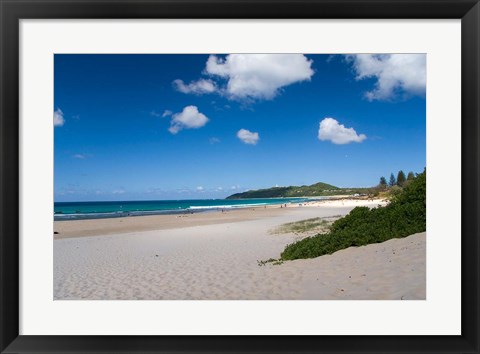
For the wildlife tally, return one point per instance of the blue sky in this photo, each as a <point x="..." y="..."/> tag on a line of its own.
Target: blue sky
<point x="138" y="127"/>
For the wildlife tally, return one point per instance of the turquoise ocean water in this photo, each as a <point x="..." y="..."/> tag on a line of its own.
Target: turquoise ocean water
<point x="96" y="210"/>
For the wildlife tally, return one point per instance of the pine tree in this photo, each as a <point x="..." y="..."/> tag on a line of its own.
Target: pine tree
<point x="392" y="181"/>
<point x="383" y="181"/>
<point x="410" y="176"/>
<point x="401" y="178"/>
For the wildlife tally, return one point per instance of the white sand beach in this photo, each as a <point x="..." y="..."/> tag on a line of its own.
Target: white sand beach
<point x="215" y="256"/>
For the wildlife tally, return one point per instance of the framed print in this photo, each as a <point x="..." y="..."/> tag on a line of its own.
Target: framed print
<point x="239" y="177"/>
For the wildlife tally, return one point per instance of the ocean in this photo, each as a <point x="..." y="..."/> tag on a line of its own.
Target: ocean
<point x="98" y="210"/>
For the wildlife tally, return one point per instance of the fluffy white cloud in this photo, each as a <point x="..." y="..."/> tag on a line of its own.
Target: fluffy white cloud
<point x="394" y="73"/>
<point x="189" y="118"/>
<point x="248" y="137"/>
<point x="259" y="76"/>
<point x="335" y="132"/>
<point x="58" y="119"/>
<point x="200" y="189"/>
<point x="197" y="87"/>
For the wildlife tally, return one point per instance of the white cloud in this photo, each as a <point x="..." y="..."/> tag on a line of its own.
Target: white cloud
<point x="197" y="87"/>
<point x="79" y="156"/>
<point x="200" y="189"/>
<point x="248" y="137"/>
<point x="183" y="190"/>
<point x="259" y="76"/>
<point x="167" y="113"/>
<point x="395" y="73"/>
<point x="119" y="191"/>
<point x="219" y="189"/>
<point x="189" y="118"/>
<point x="214" y="140"/>
<point x="335" y="132"/>
<point x="58" y="119"/>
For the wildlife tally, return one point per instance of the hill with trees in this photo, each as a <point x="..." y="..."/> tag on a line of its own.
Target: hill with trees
<point x="314" y="190"/>
<point x="383" y="189"/>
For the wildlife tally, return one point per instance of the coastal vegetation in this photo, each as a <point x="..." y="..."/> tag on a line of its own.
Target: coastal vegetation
<point x="400" y="181"/>
<point x="383" y="189"/>
<point x="319" y="225"/>
<point x="403" y="216"/>
<point x="314" y="190"/>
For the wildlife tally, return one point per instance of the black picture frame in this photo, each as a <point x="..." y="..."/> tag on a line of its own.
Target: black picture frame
<point x="11" y="11"/>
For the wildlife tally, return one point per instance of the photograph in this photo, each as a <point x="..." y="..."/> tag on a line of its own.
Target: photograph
<point x="239" y="176"/>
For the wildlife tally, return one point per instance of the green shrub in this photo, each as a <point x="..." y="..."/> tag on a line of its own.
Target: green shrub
<point x="405" y="215"/>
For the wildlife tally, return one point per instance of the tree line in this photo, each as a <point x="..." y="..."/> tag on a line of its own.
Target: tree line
<point x="399" y="181"/>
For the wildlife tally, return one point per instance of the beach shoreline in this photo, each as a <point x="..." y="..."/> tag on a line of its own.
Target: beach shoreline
<point x="119" y="225"/>
<point x="215" y="259"/>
